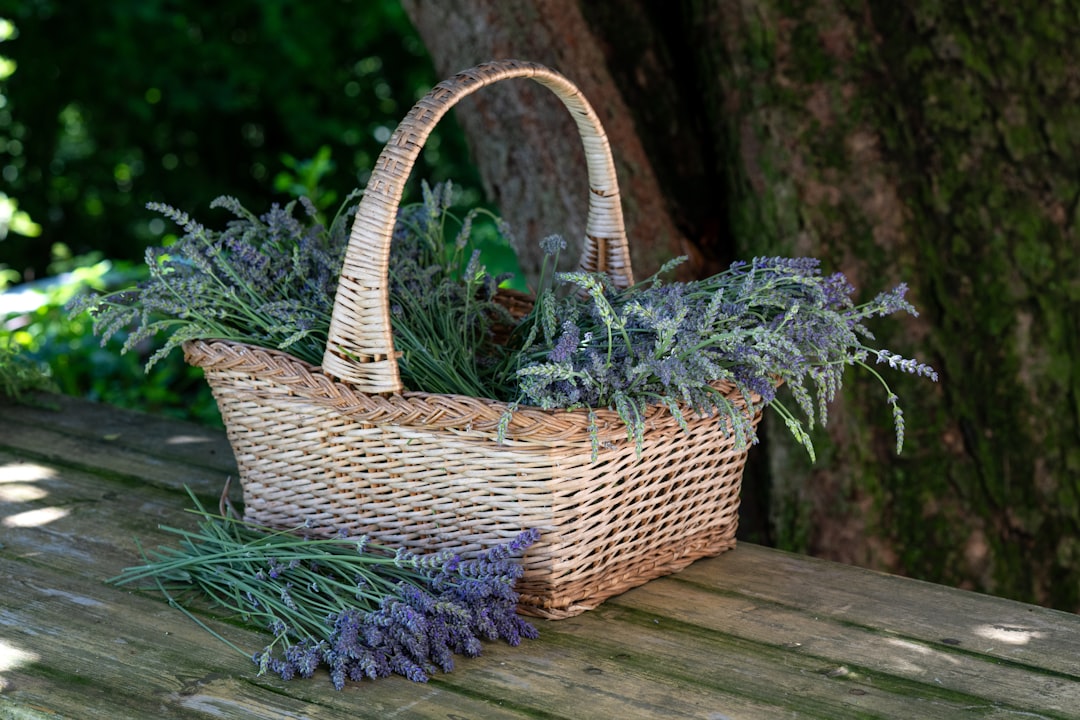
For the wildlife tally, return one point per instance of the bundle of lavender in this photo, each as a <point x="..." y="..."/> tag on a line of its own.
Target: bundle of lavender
<point x="267" y="280"/>
<point x="359" y="609"/>
<point x="757" y="325"/>
<point x="271" y="280"/>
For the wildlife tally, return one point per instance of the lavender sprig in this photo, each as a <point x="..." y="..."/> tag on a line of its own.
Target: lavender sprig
<point x="268" y="281"/>
<point x="271" y="281"/>
<point x="360" y="609"/>
<point x="442" y="301"/>
<point x="757" y="325"/>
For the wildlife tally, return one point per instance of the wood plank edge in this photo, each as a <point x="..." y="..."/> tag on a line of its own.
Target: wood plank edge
<point x="876" y="680"/>
<point x="936" y="643"/>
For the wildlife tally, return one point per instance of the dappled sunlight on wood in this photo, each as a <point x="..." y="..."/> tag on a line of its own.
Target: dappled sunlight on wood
<point x="12" y="657"/>
<point x="913" y="657"/>
<point x="35" y="518"/>
<point x="20" y="492"/>
<point x="16" y="486"/>
<point x="25" y="472"/>
<point x="1010" y="634"/>
<point x="186" y="440"/>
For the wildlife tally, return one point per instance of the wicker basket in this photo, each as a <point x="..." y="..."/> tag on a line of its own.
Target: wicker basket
<point x="345" y="446"/>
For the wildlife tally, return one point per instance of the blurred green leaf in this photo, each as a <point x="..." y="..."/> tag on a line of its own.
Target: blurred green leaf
<point x="109" y="106"/>
<point x="112" y="105"/>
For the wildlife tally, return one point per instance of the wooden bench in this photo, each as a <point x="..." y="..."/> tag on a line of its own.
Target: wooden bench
<point x="754" y="633"/>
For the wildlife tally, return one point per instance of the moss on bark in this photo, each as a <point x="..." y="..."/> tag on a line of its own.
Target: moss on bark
<point x="933" y="143"/>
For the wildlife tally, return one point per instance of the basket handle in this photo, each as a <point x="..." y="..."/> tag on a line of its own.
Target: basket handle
<point x="360" y="346"/>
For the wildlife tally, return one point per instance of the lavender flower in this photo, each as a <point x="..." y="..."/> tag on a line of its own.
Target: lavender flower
<point x="397" y="613"/>
<point x="553" y="244"/>
<point x="898" y="421"/>
<point x="756" y="325"/>
<point x="567" y="344"/>
<point x="906" y="364"/>
<point x="266" y="280"/>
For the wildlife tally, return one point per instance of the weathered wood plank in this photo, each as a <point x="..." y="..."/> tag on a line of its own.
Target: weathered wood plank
<point x="87" y="651"/>
<point x="562" y="675"/>
<point x="754" y="633"/>
<point x="78" y="522"/>
<point x="170" y="459"/>
<point x="126" y="465"/>
<point x="39" y="595"/>
<point x="802" y="685"/>
<point x="939" y="616"/>
<point x="854" y="651"/>
<point x="185" y="442"/>
<point x="102" y="528"/>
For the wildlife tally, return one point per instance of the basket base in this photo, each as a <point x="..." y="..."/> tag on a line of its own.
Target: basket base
<point x="534" y="606"/>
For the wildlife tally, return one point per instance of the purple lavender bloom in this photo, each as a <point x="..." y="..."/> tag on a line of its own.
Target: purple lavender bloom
<point x="416" y="630"/>
<point x="369" y="664"/>
<point x="907" y="365"/>
<point x="553" y="244"/>
<point x="285" y="669"/>
<point x="402" y="665"/>
<point x="898" y="421"/>
<point x="303" y="657"/>
<point x="567" y="344"/>
<point x="837" y="291"/>
<point x="893" y="301"/>
<point x="805" y="265"/>
<point x="337" y="676"/>
<point x="286" y="596"/>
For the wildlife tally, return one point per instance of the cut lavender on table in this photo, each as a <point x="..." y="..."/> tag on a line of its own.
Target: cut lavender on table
<point x="358" y="609"/>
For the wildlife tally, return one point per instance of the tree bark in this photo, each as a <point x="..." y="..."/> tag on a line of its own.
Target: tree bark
<point x="926" y="142"/>
<point x="523" y="140"/>
<point x="929" y="143"/>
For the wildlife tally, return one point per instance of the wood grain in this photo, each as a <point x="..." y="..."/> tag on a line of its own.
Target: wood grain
<point x="754" y="633"/>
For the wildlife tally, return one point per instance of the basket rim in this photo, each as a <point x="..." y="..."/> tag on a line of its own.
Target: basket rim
<point x="424" y="410"/>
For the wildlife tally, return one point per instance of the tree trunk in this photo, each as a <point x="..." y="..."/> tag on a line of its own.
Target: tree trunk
<point x="523" y="140"/>
<point x="926" y="142"/>
<point x="933" y="145"/>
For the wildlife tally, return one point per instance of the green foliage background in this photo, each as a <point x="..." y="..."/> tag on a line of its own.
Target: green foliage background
<point x="107" y="106"/>
<point x="115" y="104"/>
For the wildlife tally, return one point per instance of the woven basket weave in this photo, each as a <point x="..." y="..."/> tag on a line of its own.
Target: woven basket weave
<point x="345" y="446"/>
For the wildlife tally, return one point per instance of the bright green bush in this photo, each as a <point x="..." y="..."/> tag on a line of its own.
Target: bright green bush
<point x="106" y="107"/>
<point x="48" y="336"/>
